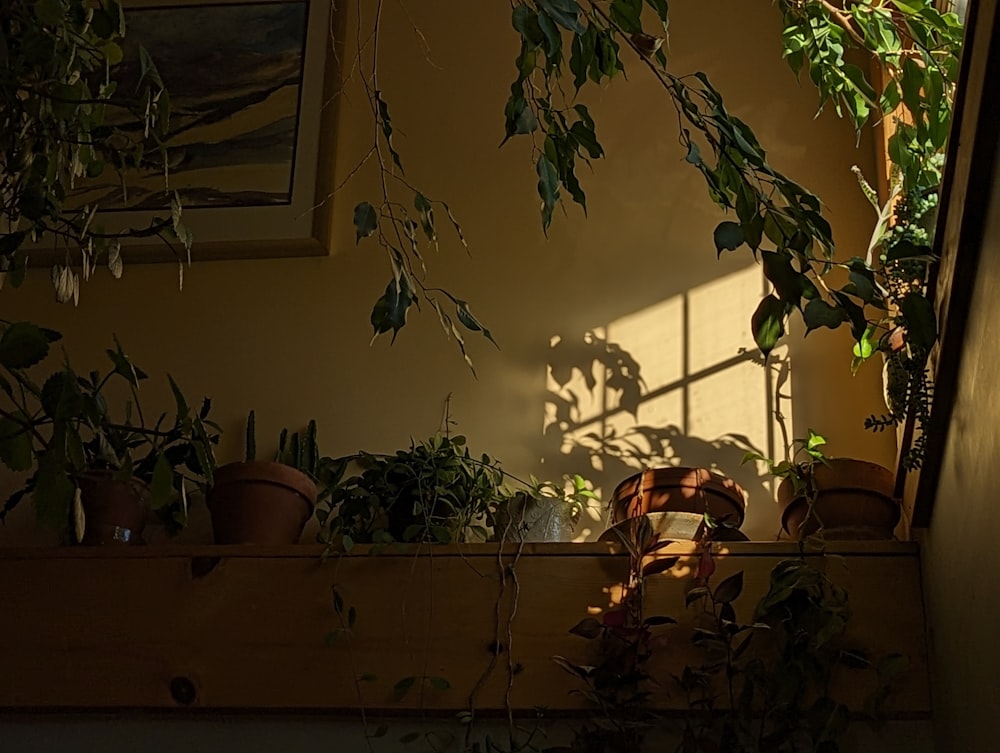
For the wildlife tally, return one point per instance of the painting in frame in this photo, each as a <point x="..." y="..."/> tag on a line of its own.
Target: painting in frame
<point x="250" y="139"/>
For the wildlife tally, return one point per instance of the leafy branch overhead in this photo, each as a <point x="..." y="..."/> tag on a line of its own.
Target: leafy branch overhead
<point x="65" y="120"/>
<point x="585" y="41"/>
<point x="878" y="295"/>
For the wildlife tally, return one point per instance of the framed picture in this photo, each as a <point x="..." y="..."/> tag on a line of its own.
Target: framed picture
<point x="250" y="144"/>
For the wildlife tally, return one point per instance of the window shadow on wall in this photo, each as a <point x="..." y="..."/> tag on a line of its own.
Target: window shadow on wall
<point x="646" y="391"/>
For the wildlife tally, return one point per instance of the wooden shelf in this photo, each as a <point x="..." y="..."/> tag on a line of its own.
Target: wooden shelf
<point x="247" y="627"/>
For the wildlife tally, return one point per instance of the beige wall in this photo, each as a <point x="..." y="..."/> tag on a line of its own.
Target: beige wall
<point x="290" y="338"/>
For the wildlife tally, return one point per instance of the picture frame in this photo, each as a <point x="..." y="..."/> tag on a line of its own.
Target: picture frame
<point x="254" y="166"/>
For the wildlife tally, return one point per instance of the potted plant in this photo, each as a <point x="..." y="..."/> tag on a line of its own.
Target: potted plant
<point x="433" y="491"/>
<point x="678" y="501"/>
<point x="66" y="120"/>
<point x="436" y="491"/>
<point x="541" y="511"/>
<point x="268" y="502"/>
<point x="107" y="468"/>
<point x="837" y="498"/>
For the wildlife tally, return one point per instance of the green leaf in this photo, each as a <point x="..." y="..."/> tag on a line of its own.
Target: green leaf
<point x="905" y="249"/>
<point x="426" y="214"/>
<point x="855" y="313"/>
<point x="693" y="154"/>
<point x="162" y="485"/>
<point x="553" y="41"/>
<point x="123" y="366"/>
<point x="181" y="403"/>
<point x="779" y="271"/>
<point x="53" y="494"/>
<point x="181" y="230"/>
<point x="23" y="345"/>
<point x="439" y="683"/>
<point x="583" y="132"/>
<point x="910" y="6"/>
<point x="386" y="123"/>
<point x="588" y="628"/>
<point x="518" y="117"/>
<point x="471" y="322"/>
<point x="401" y="688"/>
<point x="728" y="236"/>
<point x="582" y="51"/>
<point x="365" y="221"/>
<point x="628" y="15"/>
<point x="818" y="313"/>
<point x="699" y="592"/>
<point x="15" y="445"/>
<point x="660" y="6"/>
<point x="61" y="398"/>
<point x="862" y="281"/>
<point x="525" y="22"/>
<point x="112" y="53"/>
<point x="389" y="312"/>
<point x="606" y="58"/>
<point x="566" y="13"/>
<point x="548" y="188"/>
<point x="815" y="440"/>
<point x="921" y="321"/>
<point x="730" y="589"/>
<point x="768" y="323"/>
<point x="864" y="348"/>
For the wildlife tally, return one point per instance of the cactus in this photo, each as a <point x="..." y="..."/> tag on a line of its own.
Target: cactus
<point x="300" y="451"/>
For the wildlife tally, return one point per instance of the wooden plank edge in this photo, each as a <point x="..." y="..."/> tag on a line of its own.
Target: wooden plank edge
<point x="488" y="550"/>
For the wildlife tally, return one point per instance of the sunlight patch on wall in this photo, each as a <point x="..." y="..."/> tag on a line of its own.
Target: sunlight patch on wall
<point x="677" y="383"/>
<point x="719" y="318"/>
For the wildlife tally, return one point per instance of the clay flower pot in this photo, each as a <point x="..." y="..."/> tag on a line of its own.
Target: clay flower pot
<point x="260" y="503"/>
<point x="114" y="512"/>
<point x="854" y="500"/>
<point x="688" y="491"/>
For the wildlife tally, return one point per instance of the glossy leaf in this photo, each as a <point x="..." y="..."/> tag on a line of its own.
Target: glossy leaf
<point x="768" y="323"/>
<point x="921" y="321"/>
<point x="548" y="188"/>
<point x="730" y="589"/>
<point x="389" y="312"/>
<point x="365" y="221"/>
<point x="818" y="313"/>
<point x="728" y="236"/>
<point x="566" y="13"/>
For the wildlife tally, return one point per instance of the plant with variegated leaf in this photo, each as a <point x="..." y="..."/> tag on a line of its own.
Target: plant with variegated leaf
<point x="64" y="119"/>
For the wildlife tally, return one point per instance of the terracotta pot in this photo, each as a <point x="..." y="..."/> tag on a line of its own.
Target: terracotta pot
<point x="854" y="500"/>
<point x="679" y="489"/>
<point x="114" y="512"/>
<point x="260" y="503"/>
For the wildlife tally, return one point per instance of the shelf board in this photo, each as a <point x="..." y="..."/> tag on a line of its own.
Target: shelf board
<point x="254" y="628"/>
